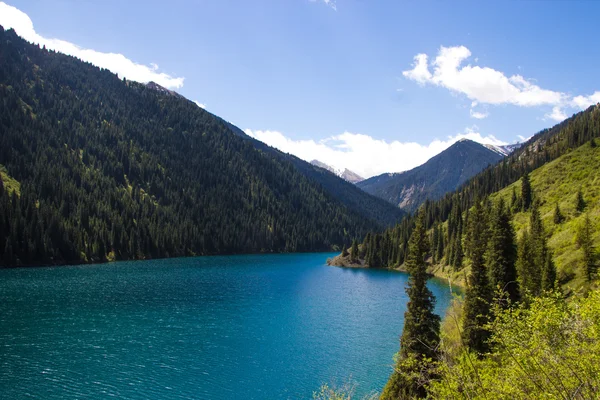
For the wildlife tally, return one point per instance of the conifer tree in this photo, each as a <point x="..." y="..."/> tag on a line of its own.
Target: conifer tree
<point x="457" y="250"/>
<point x="549" y="274"/>
<point x="524" y="263"/>
<point x="344" y="251"/>
<point x="584" y="239"/>
<point x="354" y="250"/>
<point x="558" y="216"/>
<point x="526" y="195"/>
<point x="501" y="254"/>
<point x="539" y="248"/>
<point x="580" y="202"/>
<point x="478" y="295"/>
<point x="513" y="198"/>
<point x="421" y="334"/>
<point x="440" y="245"/>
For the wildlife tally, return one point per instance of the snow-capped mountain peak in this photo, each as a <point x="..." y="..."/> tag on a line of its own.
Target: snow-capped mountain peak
<point x="345" y="174"/>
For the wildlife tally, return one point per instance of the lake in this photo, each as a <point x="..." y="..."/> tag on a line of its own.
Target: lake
<point x="225" y="327"/>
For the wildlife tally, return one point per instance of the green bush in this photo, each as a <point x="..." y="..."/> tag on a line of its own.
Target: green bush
<point x="550" y="350"/>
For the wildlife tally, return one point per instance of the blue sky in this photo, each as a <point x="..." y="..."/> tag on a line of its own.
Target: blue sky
<point x="336" y="80"/>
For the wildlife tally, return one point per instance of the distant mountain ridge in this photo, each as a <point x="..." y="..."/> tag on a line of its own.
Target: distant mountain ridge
<point x="443" y="173"/>
<point x="345" y="174"/>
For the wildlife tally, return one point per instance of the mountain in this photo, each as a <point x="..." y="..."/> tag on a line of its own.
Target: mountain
<point x="96" y="168"/>
<point x="504" y="150"/>
<point x="345" y="174"/>
<point x="441" y="174"/>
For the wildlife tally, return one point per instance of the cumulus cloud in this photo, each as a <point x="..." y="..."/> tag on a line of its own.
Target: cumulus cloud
<point x="584" y="102"/>
<point x="557" y="114"/>
<point x="11" y="17"/>
<point x="481" y="84"/>
<point x="489" y="86"/>
<point x="478" y="114"/>
<point x="364" y="154"/>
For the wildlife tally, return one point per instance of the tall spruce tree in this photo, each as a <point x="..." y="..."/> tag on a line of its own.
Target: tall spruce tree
<point x="549" y="273"/>
<point x="526" y="268"/>
<point x="478" y="296"/>
<point x="526" y="194"/>
<point x="584" y="240"/>
<point x="558" y="216"/>
<point x="421" y="335"/>
<point x="354" y="251"/>
<point x="580" y="202"/>
<point x="501" y="254"/>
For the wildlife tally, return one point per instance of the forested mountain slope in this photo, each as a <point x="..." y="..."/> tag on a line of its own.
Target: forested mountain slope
<point x="559" y="184"/>
<point x="371" y="207"/>
<point x="441" y="174"/>
<point x="94" y="167"/>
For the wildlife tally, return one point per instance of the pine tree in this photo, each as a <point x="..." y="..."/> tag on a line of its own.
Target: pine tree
<point x="528" y="271"/>
<point x="440" y="245"/>
<point x="549" y="274"/>
<point x="526" y="195"/>
<point x="421" y="335"/>
<point x="478" y="295"/>
<point x="580" y="202"/>
<point x="558" y="217"/>
<point x="457" y="250"/>
<point x="513" y="198"/>
<point x="354" y="251"/>
<point x="501" y="254"/>
<point x="344" y="251"/>
<point x="585" y="241"/>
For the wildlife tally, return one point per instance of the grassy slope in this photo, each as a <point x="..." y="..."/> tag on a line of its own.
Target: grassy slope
<point x="10" y="184"/>
<point x="558" y="182"/>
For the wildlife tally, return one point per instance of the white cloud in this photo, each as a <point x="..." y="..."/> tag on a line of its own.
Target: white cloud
<point x="557" y="114"/>
<point x="584" y="102"/>
<point x="330" y="3"/>
<point x="420" y="72"/>
<point x="11" y="17"/>
<point x="364" y="154"/>
<point x="480" y="84"/>
<point x="478" y="115"/>
<point x="201" y="105"/>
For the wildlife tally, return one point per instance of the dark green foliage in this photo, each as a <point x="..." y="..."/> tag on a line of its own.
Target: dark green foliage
<point x="580" y="202"/>
<point x="501" y="253"/>
<point x="558" y="216"/>
<point x="441" y="174"/>
<point x="585" y="241"/>
<point x="421" y="334"/>
<point x="478" y="296"/>
<point x="344" y="251"/>
<point x="354" y="251"/>
<point x="111" y="169"/>
<point x="549" y="274"/>
<point x="593" y="143"/>
<point x="534" y="260"/>
<point x="528" y="273"/>
<point x="526" y="195"/>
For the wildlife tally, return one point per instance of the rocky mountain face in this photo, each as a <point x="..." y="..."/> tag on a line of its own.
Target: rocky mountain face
<point x="438" y="176"/>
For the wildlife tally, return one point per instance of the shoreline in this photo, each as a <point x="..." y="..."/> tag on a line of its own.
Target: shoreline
<point x="455" y="279"/>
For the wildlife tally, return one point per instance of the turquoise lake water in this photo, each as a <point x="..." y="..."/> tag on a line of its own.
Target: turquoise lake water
<point x="227" y="327"/>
